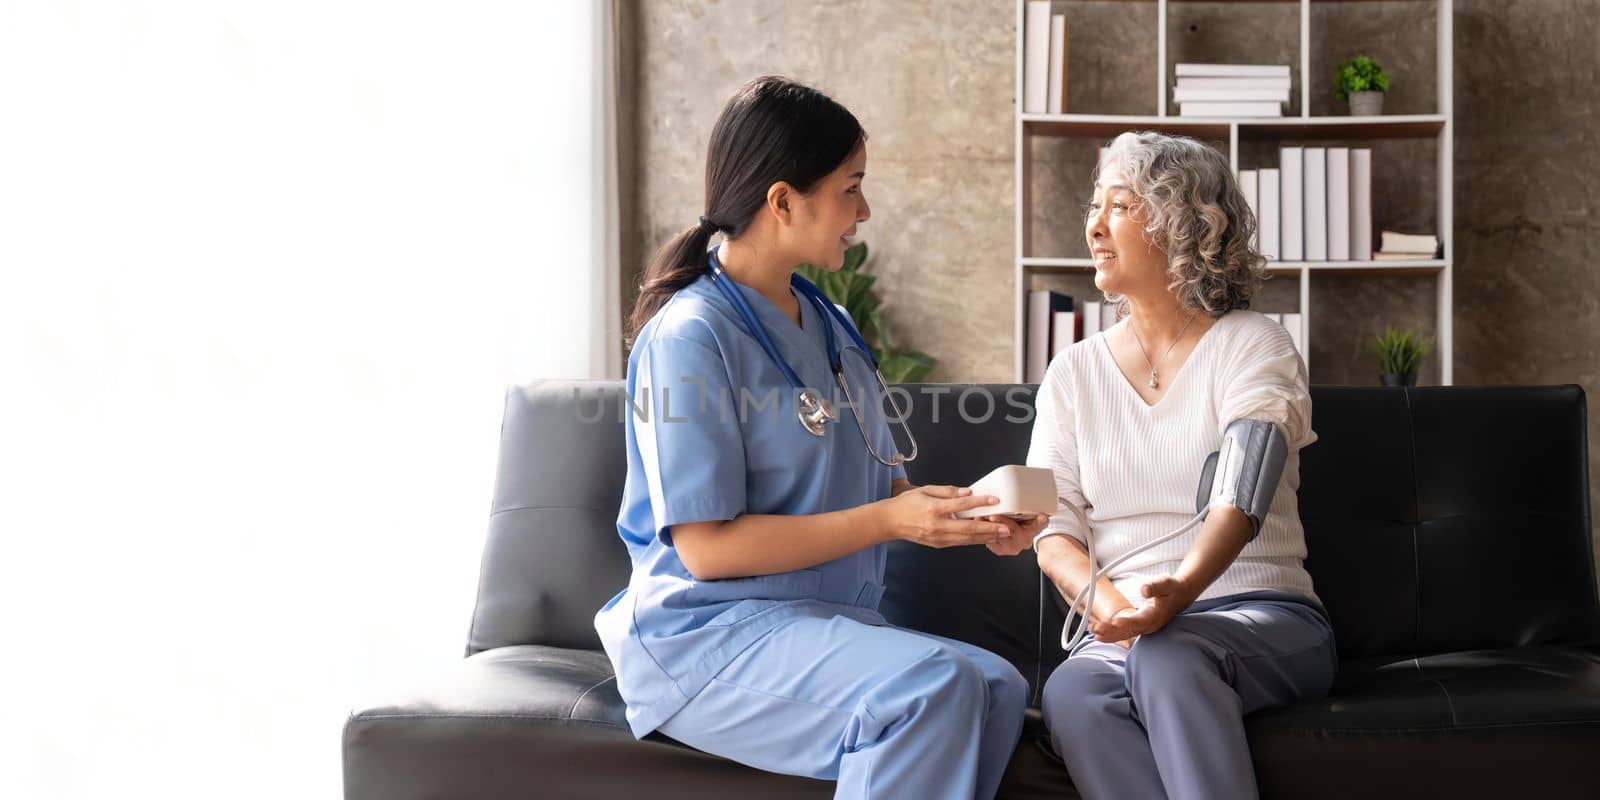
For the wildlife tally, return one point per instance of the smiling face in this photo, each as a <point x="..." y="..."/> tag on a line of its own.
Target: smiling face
<point x="1124" y="262"/>
<point x="828" y="214"/>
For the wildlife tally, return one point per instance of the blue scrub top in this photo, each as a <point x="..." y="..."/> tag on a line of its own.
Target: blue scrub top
<point x="694" y="454"/>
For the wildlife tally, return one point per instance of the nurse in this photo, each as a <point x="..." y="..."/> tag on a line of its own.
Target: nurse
<point x="750" y="626"/>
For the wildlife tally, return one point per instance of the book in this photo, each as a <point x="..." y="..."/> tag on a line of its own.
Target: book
<point x="1422" y="245"/>
<point x="1230" y="109"/>
<point x="1361" y="204"/>
<point x="1282" y="83"/>
<point x="1233" y="70"/>
<point x="1185" y="94"/>
<point x="1063" y="330"/>
<point x="1042" y="306"/>
<point x="1316" y="163"/>
<point x="1056" y="99"/>
<point x="1270" y="183"/>
<point x="1250" y="187"/>
<point x="1292" y="323"/>
<point x="1386" y="256"/>
<point x="1091" y="318"/>
<point x="1339" y="204"/>
<point x="1292" y="194"/>
<point x="1036" y="57"/>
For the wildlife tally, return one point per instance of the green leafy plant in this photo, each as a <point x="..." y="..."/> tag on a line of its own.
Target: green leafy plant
<point x="851" y="287"/>
<point x="1359" y="74"/>
<point x="1399" y="351"/>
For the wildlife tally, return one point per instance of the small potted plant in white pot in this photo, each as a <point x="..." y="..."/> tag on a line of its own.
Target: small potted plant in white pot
<point x="1363" y="83"/>
<point x="1399" y="352"/>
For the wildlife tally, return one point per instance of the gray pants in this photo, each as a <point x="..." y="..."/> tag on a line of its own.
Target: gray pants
<point x="1166" y="719"/>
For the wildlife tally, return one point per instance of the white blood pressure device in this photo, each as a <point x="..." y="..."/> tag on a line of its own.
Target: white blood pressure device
<point x="1024" y="493"/>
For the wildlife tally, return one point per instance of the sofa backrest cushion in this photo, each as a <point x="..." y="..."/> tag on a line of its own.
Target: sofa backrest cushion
<point x="552" y="556"/>
<point x="1450" y="518"/>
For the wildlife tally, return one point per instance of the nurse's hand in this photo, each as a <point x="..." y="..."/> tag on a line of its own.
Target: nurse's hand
<point x="1022" y="534"/>
<point x="926" y="515"/>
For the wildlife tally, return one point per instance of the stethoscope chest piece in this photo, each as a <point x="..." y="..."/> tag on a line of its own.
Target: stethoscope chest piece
<point x="811" y="408"/>
<point x="814" y="411"/>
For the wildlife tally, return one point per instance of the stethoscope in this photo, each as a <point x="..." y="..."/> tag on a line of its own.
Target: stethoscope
<point x="814" y="411"/>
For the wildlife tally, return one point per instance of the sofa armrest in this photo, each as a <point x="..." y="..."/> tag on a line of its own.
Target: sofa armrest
<point x="459" y="731"/>
<point x="545" y="684"/>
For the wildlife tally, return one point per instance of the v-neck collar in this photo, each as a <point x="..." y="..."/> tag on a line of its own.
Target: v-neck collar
<point x="766" y="310"/>
<point x="800" y="345"/>
<point x="1172" y="384"/>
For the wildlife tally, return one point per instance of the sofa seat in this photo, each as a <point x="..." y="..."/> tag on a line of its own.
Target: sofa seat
<point x="1397" y="721"/>
<point x="1514" y="722"/>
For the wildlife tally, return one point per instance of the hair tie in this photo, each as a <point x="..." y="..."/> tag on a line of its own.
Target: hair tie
<point x="709" y="226"/>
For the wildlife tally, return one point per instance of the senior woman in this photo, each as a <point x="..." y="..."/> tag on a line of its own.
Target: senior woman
<point x="1191" y="635"/>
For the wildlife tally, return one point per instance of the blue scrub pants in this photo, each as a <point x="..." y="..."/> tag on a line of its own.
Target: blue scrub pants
<point x="887" y="712"/>
<point x="1166" y="719"/>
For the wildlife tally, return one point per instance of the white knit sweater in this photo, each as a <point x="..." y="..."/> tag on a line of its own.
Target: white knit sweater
<point x="1134" y="469"/>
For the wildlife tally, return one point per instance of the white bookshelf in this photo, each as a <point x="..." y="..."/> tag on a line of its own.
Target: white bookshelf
<point x="1096" y="129"/>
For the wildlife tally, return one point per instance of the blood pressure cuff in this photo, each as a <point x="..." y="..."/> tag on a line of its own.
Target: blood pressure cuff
<point x="1245" y="471"/>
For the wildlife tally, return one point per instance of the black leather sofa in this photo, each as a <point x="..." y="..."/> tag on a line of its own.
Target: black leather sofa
<point x="1449" y="532"/>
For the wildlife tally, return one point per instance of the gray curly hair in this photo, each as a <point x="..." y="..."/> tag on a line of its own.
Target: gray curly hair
<point x="1194" y="210"/>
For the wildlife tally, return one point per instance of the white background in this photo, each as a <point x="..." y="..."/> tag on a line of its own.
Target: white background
<point x="266" y="269"/>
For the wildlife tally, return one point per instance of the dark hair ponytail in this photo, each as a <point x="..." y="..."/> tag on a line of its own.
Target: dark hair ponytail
<point x="771" y="130"/>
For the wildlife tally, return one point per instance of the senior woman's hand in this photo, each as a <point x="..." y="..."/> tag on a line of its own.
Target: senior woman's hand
<point x="1167" y="596"/>
<point x="1022" y="533"/>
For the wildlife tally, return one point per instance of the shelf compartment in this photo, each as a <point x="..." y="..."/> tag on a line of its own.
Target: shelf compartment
<point x="1106" y="126"/>
<point x="1426" y="266"/>
<point x="1398" y="126"/>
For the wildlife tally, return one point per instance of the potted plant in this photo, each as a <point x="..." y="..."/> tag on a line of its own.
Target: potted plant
<point x="1363" y="83"/>
<point x="851" y="287"/>
<point x="1399" y="352"/>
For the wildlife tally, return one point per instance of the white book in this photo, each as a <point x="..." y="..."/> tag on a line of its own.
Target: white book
<point x="1063" y="330"/>
<point x="1292" y="323"/>
<point x="1282" y="83"/>
<point x="1316" y="204"/>
<point x="1267" y="109"/>
<point x="1338" y="204"/>
<point x="1292" y="202"/>
<point x="1233" y="70"/>
<point x="1091" y="318"/>
<point x="1271" y="214"/>
<point x="1184" y="94"/>
<point x="1056" y="101"/>
<point x="1036" y="57"/>
<point x="1383" y="256"/>
<point x="1250" y="187"/>
<point x="1361" y="204"/>
<point x="1038" y="352"/>
<point x="1421" y="245"/>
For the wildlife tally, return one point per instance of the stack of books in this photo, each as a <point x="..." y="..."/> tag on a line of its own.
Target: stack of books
<point x="1044" y="60"/>
<point x="1407" y="247"/>
<point x="1316" y="206"/>
<point x="1231" y="90"/>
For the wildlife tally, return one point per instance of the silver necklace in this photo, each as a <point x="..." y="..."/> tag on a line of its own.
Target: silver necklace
<point x="1155" y="382"/>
